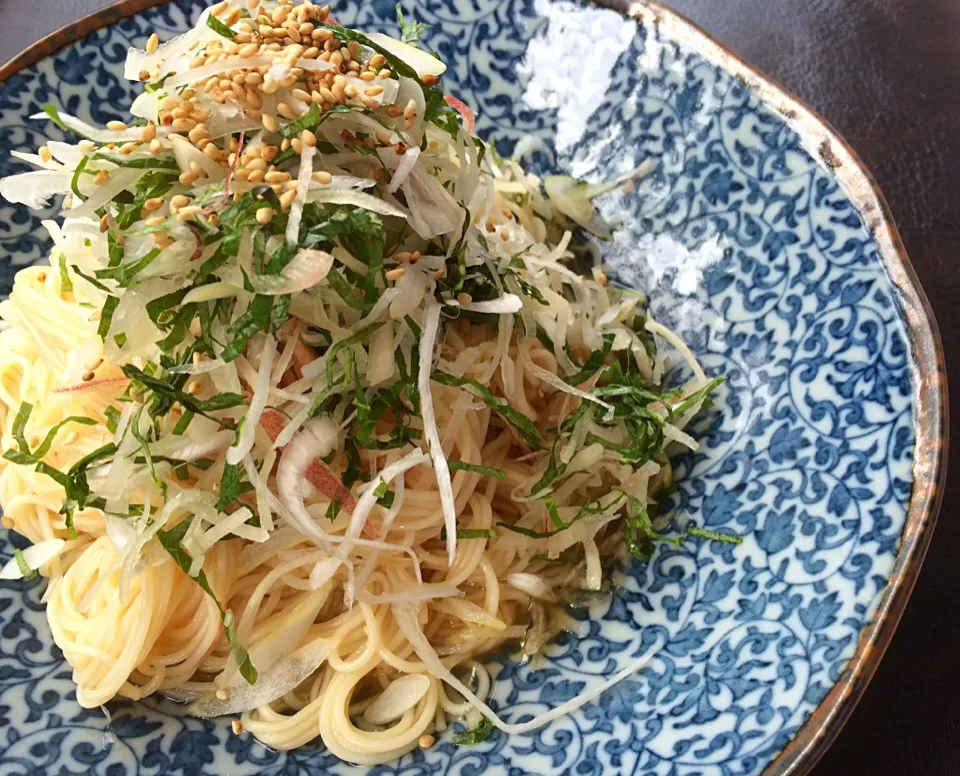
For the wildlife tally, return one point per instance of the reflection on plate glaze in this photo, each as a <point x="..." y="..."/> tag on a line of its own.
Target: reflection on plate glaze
<point x="767" y="268"/>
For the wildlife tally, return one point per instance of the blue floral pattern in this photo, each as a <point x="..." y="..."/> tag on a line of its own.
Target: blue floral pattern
<point x="764" y="265"/>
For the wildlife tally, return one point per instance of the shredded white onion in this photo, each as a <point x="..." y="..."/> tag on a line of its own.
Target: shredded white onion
<point x="405" y="166"/>
<point x="401" y="694"/>
<point x="34" y="557"/>
<point x="303" y="183"/>
<point x="428" y="338"/>
<point x="258" y="402"/>
<point x="285" y="676"/>
<point x="533" y="586"/>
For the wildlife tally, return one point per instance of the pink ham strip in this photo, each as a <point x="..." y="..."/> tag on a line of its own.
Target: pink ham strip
<point x="317" y="473"/>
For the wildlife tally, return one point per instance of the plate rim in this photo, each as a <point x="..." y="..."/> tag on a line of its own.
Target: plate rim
<point x="930" y="392"/>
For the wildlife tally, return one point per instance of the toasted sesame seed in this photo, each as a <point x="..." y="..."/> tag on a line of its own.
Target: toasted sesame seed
<point x="300" y="94"/>
<point x="188" y="178"/>
<point x="254" y="99"/>
<point x="186" y="213"/>
<point x="602" y="278"/>
<point x="464" y="298"/>
<point x="104" y="222"/>
<point x="402" y="256"/>
<point x="156" y="147"/>
<point x="45" y="153"/>
<point x="269" y="152"/>
<point x="286" y="111"/>
<point x="265" y="215"/>
<point x="162" y="239"/>
<point x="213" y="152"/>
<point x="367" y="76"/>
<point x="322" y="177"/>
<point x="116" y="126"/>
<point x="101" y="177"/>
<point x="373" y="91"/>
<point x="144" y="75"/>
<point x="270" y="123"/>
<point x="153" y="204"/>
<point x="236" y="727"/>
<point x="385" y="73"/>
<point x="199" y="132"/>
<point x="384" y="136"/>
<point x="394" y="112"/>
<point x="248" y="50"/>
<point x="88" y="376"/>
<point x="155" y="220"/>
<point x="410" y="109"/>
<point x="308" y="138"/>
<point x="287" y="198"/>
<point x="256" y="176"/>
<point x="183" y="125"/>
<point x="376" y="61"/>
<point x="297" y="145"/>
<point x="87" y="145"/>
<point x="180" y="200"/>
<point x="219" y="8"/>
<point x="426" y="741"/>
<point x="152" y="43"/>
<point x="430" y="80"/>
<point x="71" y="438"/>
<point x="193" y="388"/>
<point x="149" y="132"/>
<point x="396" y="274"/>
<point x="128" y="148"/>
<point x="276" y="177"/>
<point x="439" y="273"/>
<point x="350" y="91"/>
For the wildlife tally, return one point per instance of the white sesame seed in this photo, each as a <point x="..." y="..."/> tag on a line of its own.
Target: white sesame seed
<point x="286" y="111"/>
<point x="152" y="43"/>
<point x="116" y="126"/>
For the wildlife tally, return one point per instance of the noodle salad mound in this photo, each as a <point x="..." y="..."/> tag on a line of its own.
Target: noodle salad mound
<point x="311" y="408"/>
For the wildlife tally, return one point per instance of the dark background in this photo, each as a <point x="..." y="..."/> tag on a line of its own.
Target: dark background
<point x="886" y="74"/>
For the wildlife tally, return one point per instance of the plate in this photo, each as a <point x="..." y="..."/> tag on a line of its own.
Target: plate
<point x="761" y="239"/>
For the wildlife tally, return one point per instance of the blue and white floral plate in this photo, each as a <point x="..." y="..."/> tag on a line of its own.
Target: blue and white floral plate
<point x="761" y="238"/>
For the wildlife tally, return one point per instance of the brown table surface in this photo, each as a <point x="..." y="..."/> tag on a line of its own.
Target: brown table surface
<point x="886" y="74"/>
